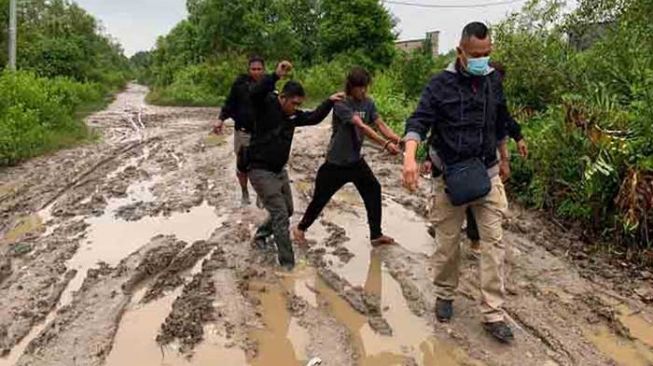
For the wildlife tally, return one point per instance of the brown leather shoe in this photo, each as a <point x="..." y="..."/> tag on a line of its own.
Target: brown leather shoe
<point x="383" y="240"/>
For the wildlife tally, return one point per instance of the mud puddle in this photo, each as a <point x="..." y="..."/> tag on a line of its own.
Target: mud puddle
<point x="398" y="222"/>
<point x="135" y="342"/>
<point x="412" y="341"/>
<point x="623" y="351"/>
<point x="46" y="216"/>
<point x="12" y="358"/>
<point x="633" y="345"/>
<point x="639" y="328"/>
<point x="283" y="341"/>
<point x="110" y="240"/>
<point x="22" y="227"/>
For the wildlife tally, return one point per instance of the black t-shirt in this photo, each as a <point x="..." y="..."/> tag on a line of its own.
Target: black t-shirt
<point x="346" y="139"/>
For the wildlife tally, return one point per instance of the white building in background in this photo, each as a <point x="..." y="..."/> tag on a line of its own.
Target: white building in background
<point x="432" y="39"/>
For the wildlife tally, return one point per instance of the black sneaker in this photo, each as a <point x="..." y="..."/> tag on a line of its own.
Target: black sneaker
<point x="260" y="243"/>
<point x="444" y="310"/>
<point x="431" y="231"/>
<point x="499" y="330"/>
<point x="288" y="267"/>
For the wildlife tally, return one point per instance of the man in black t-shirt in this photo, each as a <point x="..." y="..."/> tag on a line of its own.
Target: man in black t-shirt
<point x="238" y="107"/>
<point x="353" y="120"/>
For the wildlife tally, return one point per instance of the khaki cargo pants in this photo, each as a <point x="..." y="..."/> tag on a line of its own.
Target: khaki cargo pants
<point x="448" y="220"/>
<point x="242" y="139"/>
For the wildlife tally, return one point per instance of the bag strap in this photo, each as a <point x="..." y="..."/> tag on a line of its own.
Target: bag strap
<point x="489" y="98"/>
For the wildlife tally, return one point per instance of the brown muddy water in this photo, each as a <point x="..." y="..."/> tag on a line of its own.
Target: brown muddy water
<point x="165" y="176"/>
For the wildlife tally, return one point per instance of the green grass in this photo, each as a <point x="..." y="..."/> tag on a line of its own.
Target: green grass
<point x="170" y="98"/>
<point x="41" y="115"/>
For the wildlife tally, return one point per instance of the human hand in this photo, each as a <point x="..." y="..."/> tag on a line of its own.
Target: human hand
<point x="392" y="148"/>
<point x="283" y="68"/>
<point x="504" y="170"/>
<point x="218" y="127"/>
<point x="337" y="97"/>
<point x="410" y="174"/>
<point x="522" y="146"/>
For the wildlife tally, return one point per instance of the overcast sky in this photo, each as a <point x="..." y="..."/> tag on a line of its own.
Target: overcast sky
<point x="138" y="23"/>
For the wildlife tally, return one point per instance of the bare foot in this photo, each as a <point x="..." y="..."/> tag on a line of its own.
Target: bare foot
<point x="383" y="240"/>
<point x="299" y="236"/>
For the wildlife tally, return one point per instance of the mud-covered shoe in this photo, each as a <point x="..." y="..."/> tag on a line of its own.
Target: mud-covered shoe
<point x="245" y="201"/>
<point x="431" y="231"/>
<point x="260" y="243"/>
<point x="444" y="310"/>
<point x="259" y="203"/>
<point x="499" y="330"/>
<point x="382" y="240"/>
<point x="288" y="266"/>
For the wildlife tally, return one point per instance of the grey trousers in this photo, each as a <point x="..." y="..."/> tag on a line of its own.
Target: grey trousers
<point x="274" y="191"/>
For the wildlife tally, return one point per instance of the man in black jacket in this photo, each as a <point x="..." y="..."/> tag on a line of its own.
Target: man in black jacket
<point x="513" y="129"/>
<point x="276" y="118"/>
<point x="462" y="108"/>
<point x="238" y="107"/>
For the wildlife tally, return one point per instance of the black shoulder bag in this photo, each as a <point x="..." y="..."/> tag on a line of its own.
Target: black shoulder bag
<point x="468" y="180"/>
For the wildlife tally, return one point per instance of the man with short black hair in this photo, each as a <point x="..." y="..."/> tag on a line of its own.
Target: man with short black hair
<point x="461" y="108"/>
<point x="276" y="118"/>
<point x="239" y="108"/>
<point x="513" y="129"/>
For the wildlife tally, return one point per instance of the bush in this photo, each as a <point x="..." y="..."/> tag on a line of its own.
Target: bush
<point x="591" y="136"/>
<point x="391" y="101"/>
<point x="322" y="80"/>
<point x="205" y="84"/>
<point x="39" y="114"/>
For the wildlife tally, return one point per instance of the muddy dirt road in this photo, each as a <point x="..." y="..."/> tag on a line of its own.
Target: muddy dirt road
<point x="134" y="251"/>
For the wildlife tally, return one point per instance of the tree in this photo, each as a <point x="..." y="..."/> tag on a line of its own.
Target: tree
<point x="304" y="17"/>
<point x="58" y="38"/>
<point x="246" y="26"/>
<point x="362" y="27"/>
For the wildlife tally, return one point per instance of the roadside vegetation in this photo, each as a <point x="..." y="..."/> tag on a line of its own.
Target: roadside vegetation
<point x="580" y="83"/>
<point x="66" y="69"/>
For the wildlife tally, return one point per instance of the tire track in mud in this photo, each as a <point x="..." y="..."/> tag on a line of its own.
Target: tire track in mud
<point x="219" y="298"/>
<point x="35" y="283"/>
<point x="112" y="156"/>
<point x="547" y="293"/>
<point x="30" y="275"/>
<point x="82" y="333"/>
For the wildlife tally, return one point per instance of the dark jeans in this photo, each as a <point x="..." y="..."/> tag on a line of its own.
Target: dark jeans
<point x="330" y="178"/>
<point x="472" y="226"/>
<point x="276" y="196"/>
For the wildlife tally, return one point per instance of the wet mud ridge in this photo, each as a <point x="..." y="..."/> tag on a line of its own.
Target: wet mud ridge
<point x="134" y="250"/>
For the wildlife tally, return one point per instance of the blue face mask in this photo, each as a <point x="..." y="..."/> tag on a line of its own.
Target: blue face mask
<point x="478" y="66"/>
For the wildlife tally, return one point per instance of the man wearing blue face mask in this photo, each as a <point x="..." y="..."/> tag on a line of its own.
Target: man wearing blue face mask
<point x="463" y="108"/>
